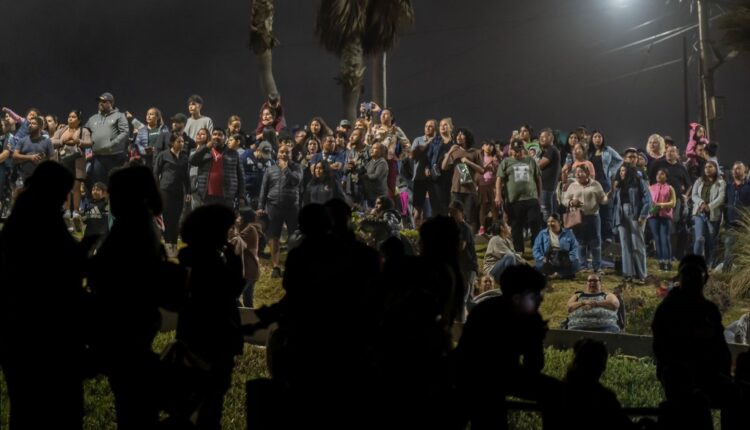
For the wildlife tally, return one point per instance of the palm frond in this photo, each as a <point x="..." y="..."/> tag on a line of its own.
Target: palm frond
<point x="739" y="283"/>
<point x="339" y="21"/>
<point x="736" y="27"/>
<point x="261" y="26"/>
<point x="385" y="20"/>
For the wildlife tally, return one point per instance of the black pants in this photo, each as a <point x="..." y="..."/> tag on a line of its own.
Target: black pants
<point x="173" y="204"/>
<point x="524" y="213"/>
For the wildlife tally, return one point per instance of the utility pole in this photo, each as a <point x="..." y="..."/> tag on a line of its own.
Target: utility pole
<point x="685" y="94"/>
<point x="708" y="111"/>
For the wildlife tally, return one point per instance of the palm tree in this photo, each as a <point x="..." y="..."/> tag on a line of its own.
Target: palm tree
<point x="352" y="29"/>
<point x="262" y="42"/>
<point x="736" y="27"/>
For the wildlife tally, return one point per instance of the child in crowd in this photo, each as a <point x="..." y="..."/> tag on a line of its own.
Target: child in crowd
<point x="96" y="213"/>
<point x="244" y="237"/>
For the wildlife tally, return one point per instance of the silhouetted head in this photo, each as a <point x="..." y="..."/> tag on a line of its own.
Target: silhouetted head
<point x="208" y="226"/>
<point x="438" y="238"/>
<point x="392" y="250"/>
<point x="589" y="361"/>
<point x="693" y="273"/>
<point x="523" y="285"/>
<point x="340" y="214"/>
<point x="314" y="220"/>
<point x="49" y="185"/>
<point x="133" y="190"/>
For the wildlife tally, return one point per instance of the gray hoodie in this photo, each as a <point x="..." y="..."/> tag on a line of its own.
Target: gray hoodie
<point x="109" y="133"/>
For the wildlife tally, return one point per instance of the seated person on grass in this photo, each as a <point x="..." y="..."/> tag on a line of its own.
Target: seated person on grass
<point x="594" y="309"/>
<point x="556" y="250"/>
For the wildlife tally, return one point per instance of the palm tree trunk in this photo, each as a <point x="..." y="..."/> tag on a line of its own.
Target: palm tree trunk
<point x="262" y="42"/>
<point x="265" y="72"/>
<point x="378" y="79"/>
<point x="352" y="69"/>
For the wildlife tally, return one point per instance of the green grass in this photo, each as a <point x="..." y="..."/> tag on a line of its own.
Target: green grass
<point x="633" y="380"/>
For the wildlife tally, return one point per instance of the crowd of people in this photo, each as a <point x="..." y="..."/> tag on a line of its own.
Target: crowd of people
<point x="227" y="194"/>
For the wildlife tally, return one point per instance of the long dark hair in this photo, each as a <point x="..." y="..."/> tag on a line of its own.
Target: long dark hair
<point x="592" y="147"/>
<point x="468" y="134"/>
<point x="566" y="148"/>
<point x="324" y="128"/>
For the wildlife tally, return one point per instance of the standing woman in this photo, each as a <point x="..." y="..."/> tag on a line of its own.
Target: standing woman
<point x="631" y="203"/>
<point x="566" y="153"/>
<point x="664" y="200"/>
<point x="440" y="192"/>
<point x="709" y="192"/>
<point x="201" y="138"/>
<point x="655" y="150"/>
<point x="579" y="159"/>
<point x="153" y="138"/>
<point x="490" y="162"/>
<point x="587" y="195"/>
<point x="466" y="163"/>
<point x="375" y="175"/>
<point x="606" y="162"/>
<point x="171" y="171"/>
<point x="318" y="129"/>
<point x="70" y="141"/>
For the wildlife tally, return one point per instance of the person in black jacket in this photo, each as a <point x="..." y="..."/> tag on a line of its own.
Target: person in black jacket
<point x="279" y="198"/>
<point x="171" y="172"/>
<point x="323" y="186"/>
<point x="219" y="183"/>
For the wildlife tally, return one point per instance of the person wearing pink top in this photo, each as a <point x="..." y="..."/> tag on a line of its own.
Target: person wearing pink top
<point x="490" y="161"/>
<point x="663" y="199"/>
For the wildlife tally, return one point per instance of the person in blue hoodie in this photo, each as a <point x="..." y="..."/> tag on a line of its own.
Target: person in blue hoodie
<point x="556" y="250"/>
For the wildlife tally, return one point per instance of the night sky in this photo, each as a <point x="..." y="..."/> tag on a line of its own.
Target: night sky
<point x="491" y="65"/>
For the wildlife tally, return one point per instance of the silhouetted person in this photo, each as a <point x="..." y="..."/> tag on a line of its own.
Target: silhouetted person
<point x="587" y="404"/>
<point x="692" y="357"/>
<point x="41" y="306"/>
<point x="209" y="321"/>
<point x="506" y="331"/>
<point x="126" y="279"/>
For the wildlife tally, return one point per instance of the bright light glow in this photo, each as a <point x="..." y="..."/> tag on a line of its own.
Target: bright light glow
<point x="621" y="4"/>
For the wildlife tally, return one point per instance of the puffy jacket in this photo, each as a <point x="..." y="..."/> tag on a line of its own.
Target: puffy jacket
<point x="716" y="198"/>
<point x="161" y="144"/>
<point x="234" y="177"/>
<point x="109" y="132"/>
<point x="280" y="187"/>
<point x="543" y="244"/>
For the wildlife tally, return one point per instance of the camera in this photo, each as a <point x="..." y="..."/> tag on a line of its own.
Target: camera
<point x="365" y="110"/>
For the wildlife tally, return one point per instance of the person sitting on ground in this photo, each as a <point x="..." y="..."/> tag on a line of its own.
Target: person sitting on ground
<point x="594" y="309"/>
<point x="500" y="253"/>
<point x="736" y="332"/>
<point x="484" y="288"/>
<point x="556" y="250"/>
<point x="582" y="387"/>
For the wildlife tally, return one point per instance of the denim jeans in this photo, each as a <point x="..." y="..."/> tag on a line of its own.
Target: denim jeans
<point x="500" y="266"/>
<point x="605" y="220"/>
<point x="632" y="244"/>
<point x="548" y="204"/>
<point x="661" y="230"/>
<point x="589" y="238"/>
<point x="706" y="234"/>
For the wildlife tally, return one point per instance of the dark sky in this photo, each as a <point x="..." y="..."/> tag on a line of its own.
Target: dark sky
<point x="491" y="65"/>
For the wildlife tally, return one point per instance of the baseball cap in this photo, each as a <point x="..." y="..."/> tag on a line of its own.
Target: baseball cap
<point x="108" y="97"/>
<point x="265" y="148"/>
<point x="179" y="117"/>
<point x="345" y="123"/>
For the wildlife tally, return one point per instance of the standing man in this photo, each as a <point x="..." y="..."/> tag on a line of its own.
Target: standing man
<point x="220" y="175"/>
<point x="178" y="127"/>
<point x="32" y="149"/>
<point x="279" y="198"/>
<point x="255" y="163"/>
<point x="549" y="164"/>
<point x="109" y="135"/>
<point x="738" y="199"/>
<point x="197" y="121"/>
<point x="520" y="177"/>
<point x="418" y="154"/>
